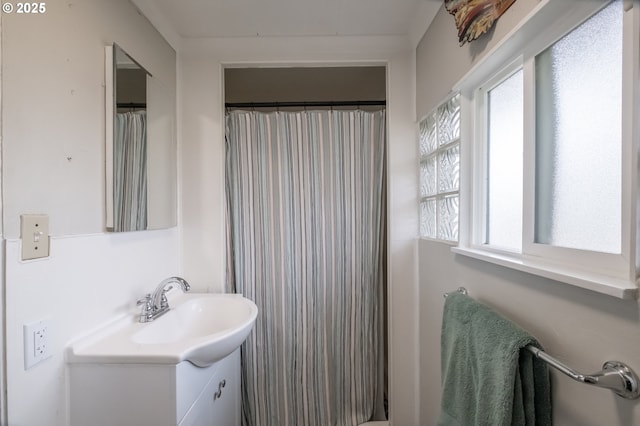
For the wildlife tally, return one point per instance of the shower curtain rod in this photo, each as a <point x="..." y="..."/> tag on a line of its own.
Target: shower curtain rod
<point x="131" y="105"/>
<point x="302" y="104"/>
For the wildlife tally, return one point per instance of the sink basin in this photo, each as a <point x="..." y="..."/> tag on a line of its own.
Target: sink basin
<point x="199" y="328"/>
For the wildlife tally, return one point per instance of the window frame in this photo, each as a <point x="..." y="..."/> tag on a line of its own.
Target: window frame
<point x="613" y="274"/>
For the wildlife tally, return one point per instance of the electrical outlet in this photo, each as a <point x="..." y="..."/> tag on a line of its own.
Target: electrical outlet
<point x="37" y="342"/>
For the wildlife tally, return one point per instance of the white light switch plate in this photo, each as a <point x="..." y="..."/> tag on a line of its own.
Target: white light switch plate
<point x="34" y="232"/>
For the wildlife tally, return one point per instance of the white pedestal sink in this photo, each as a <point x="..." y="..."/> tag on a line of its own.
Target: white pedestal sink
<point x="199" y="328"/>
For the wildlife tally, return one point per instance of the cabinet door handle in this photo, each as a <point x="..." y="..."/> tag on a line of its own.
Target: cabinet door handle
<point x="218" y="395"/>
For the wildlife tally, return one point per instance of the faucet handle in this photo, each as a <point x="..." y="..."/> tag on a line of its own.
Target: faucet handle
<point x="164" y="302"/>
<point x="145" y="301"/>
<point x="147" y="308"/>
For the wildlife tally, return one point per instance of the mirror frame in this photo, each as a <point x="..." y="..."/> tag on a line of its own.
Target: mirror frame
<point x="110" y="108"/>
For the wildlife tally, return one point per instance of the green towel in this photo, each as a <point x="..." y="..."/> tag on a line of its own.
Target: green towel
<point x="487" y="380"/>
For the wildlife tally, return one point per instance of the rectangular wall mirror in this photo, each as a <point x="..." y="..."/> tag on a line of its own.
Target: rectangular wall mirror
<point x="141" y="164"/>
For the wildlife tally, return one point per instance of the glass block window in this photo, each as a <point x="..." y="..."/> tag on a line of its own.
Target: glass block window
<point x="439" y="138"/>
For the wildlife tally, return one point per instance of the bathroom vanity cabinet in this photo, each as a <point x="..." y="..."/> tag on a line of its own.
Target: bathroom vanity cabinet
<point x="155" y="394"/>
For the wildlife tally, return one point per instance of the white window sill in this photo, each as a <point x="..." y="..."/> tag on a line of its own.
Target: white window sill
<point x="615" y="287"/>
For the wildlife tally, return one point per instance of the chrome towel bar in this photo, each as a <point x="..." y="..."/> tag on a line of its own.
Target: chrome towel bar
<point x="615" y="375"/>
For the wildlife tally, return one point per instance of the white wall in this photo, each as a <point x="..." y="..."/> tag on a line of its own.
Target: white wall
<point x="87" y="281"/>
<point x="579" y="327"/>
<point x="202" y="151"/>
<point x="53" y="92"/>
<point x="3" y="398"/>
<point x="53" y="162"/>
<point x="3" y="370"/>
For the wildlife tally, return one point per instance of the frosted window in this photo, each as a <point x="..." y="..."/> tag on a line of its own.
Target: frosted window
<point x="428" y="218"/>
<point x="448" y="208"/>
<point x="449" y="120"/>
<point x="504" y="191"/>
<point x="578" y="136"/>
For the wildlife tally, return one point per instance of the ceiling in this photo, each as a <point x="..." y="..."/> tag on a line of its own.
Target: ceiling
<point x="243" y="18"/>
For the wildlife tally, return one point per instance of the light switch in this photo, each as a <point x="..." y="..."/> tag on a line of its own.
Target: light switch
<point x="34" y="232"/>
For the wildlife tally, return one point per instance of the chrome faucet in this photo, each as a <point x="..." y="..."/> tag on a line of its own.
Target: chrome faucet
<point x="156" y="304"/>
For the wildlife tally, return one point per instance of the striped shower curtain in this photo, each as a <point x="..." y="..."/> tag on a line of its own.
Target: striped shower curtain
<point x="305" y="234"/>
<point x="130" y="171"/>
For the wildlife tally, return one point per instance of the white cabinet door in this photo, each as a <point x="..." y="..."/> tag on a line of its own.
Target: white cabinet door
<point x="219" y="402"/>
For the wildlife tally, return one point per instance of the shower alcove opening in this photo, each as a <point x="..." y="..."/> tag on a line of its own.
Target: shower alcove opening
<point x="315" y="209"/>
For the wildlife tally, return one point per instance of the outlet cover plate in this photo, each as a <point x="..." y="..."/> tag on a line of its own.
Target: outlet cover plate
<point x="37" y="342"/>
